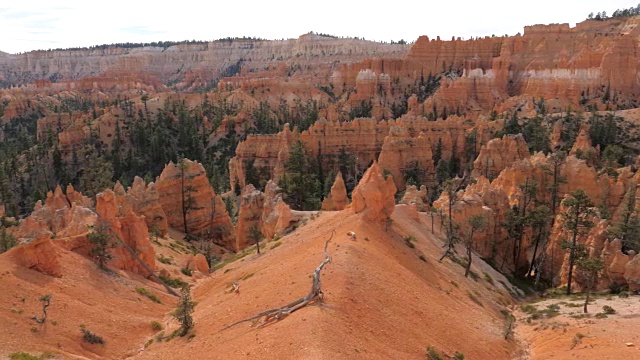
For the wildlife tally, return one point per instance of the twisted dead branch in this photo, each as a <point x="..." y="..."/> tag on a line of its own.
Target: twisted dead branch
<point x="280" y="313"/>
<point x="46" y="301"/>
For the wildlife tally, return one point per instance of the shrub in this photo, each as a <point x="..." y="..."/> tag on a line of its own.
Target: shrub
<point x="553" y="307"/>
<point x="149" y="294"/>
<point x="474" y="298"/>
<point x="90" y="337"/>
<point x="165" y="260"/>
<point x="409" y="241"/>
<point x="156" y="326"/>
<point x="458" y="356"/>
<point x="174" y="283"/>
<point x="186" y="271"/>
<point x="608" y="310"/>
<point x="160" y="336"/>
<point x="433" y="354"/>
<point x="617" y="288"/>
<point x="275" y="245"/>
<point x="488" y="278"/>
<point x="577" y="339"/>
<point x="421" y="257"/>
<point x="22" y="356"/>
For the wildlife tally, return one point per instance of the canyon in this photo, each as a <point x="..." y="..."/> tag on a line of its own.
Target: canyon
<point x="185" y="157"/>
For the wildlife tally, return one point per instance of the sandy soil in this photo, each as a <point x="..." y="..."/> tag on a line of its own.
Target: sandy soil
<point x="107" y="305"/>
<point x="381" y="300"/>
<point x="572" y="336"/>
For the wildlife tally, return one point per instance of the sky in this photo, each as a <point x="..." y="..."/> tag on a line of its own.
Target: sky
<point x="48" y="24"/>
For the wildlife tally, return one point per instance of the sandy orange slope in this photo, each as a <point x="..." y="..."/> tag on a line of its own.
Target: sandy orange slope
<point x="381" y="300"/>
<point x="107" y="305"/>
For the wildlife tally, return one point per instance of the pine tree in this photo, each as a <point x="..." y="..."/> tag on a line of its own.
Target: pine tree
<point x="187" y="200"/>
<point x="451" y="228"/>
<point x="474" y="224"/>
<point x="183" y="311"/>
<point x="576" y="221"/>
<point x="300" y="185"/>
<point x="102" y="242"/>
<point x="255" y="236"/>
<point x="590" y="268"/>
<point x="96" y="174"/>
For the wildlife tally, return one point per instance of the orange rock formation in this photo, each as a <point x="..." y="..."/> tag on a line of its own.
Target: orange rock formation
<point x="186" y="186"/>
<point x="374" y="197"/>
<point x="337" y="199"/>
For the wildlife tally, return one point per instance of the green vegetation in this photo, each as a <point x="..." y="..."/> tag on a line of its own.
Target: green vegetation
<point x="90" y="337"/>
<point x="149" y="294"/>
<point x="458" y="356"/>
<point x="577" y="222"/>
<point x="173" y="282"/>
<point x="475" y="298"/>
<point x="255" y="236"/>
<point x="7" y="241"/>
<point x="408" y="240"/>
<point x="433" y="353"/>
<point x="21" y="355"/>
<point x="488" y="278"/>
<point x="156" y="326"/>
<point x="535" y="313"/>
<point x="300" y="183"/>
<point x="186" y="271"/>
<point x="102" y="242"/>
<point x="165" y="260"/>
<point x="183" y="311"/>
<point x="601" y="16"/>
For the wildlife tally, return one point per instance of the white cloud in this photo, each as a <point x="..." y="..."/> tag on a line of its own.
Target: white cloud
<point x="43" y="24"/>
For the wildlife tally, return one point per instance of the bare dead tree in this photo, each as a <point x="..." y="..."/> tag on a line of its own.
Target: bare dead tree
<point x="46" y="301"/>
<point x="315" y="294"/>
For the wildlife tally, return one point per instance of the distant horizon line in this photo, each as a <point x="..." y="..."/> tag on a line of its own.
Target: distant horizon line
<point x="168" y="43"/>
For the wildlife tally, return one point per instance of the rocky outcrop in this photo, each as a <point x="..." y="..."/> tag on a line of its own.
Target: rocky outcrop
<point x="398" y="144"/>
<point x="189" y="64"/>
<point x="413" y="196"/>
<point x="65" y="220"/>
<point x="42" y="255"/>
<point x="498" y="154"/>
<point x="129" y="228"/>
<point x="277" y="216"/>
<point x="337" y="198"/>
<point x="632" y="273"/>
<point x="374" y="197"/>
<point x="615" y="262"/>
<point x="145" y="201"/>
<point x="482" y="198"/>
<point x="582" y="147"/>
<point x="249" y="215"/>
<point x="197" y="262"/>
<point x="402" y="153"/>
<point x="494" y="199"/>
<point x="61" y="215"/>
<point x="184" y="188"/>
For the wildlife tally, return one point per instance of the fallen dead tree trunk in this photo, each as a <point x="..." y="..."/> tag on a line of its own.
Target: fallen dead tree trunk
<point x="280" y="313"/>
